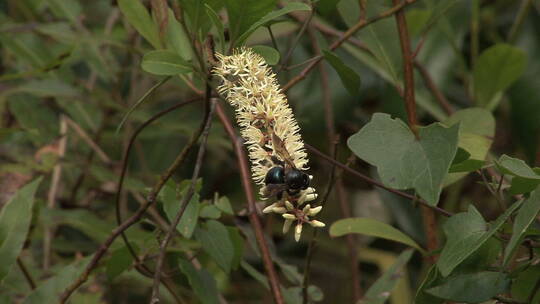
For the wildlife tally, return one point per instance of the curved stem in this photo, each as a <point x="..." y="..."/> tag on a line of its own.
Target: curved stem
<point x="252" y="210"/>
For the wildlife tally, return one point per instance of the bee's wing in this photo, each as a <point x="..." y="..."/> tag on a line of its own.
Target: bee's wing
<point x="274" y="189"/>
<point x="281" y="150"/>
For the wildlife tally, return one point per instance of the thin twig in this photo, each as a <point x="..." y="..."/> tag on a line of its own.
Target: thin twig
<point x="346" y="35"/>
<point x="344" y="206"/>
<point x="150" y="200"/>
<point x="53" y="190"/>
<point x="252" y="209"/>
<point x="520" y="17"/>
<point x="26" y="273"/>
<point x="297" y="38"/>
<point x="439" y="96"/>
<point x="125" y="160"/>
<point x="374" y="182"/>
<point x="85" y="137"/>
<point x="187" y="197"/>
<point x="363" y="9"/>
<point x="272" y="37"/>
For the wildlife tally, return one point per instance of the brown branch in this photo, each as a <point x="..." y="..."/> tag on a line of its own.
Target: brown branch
<point x="185" y="200"/>
<point x="346" y="35"/>
<point x="375" y="182"/>
<point x="407" y="68"/>
<point x="430" y="224"/>
<point x="439" y="96"/>
<point x="252" y="210"/>
<point x="150" y="200"/>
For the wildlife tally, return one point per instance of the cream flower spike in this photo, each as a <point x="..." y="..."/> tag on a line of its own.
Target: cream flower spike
<point x="272" y="136"/>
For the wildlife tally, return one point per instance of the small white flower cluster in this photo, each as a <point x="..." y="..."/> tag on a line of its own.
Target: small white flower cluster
<point x="291" y="214"/>
<point x="263" y="113"/>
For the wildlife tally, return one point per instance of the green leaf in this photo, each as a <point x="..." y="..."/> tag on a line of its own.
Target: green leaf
<point x="254" y="273"/>
<point x="433" y="278"/>
<point x="371" y="227"/>
<point x="201" y="281"/>
<point x="525" y="179"/>
<point x="216" y="241"/>
<point x="402" y="161"/>
<point x="171" y="206"/>
<point x="15" y="219"/>
<point x="516" y="167"/>
<point x="243" y="14"/>
<point x="524" y="284"/>
<point x="525" y="216"/>
<point x="165" y="63"/>
<point x="522" y="185"/>
<point x="50" y="290"/>
<point x="40" y="122"/>
<point x="476" y="133"/>
<point x="466" y="232"/>
<point x="48" y="88"/>
<point x="240" y="9"/>
<point x="270" y="55"/>
<point x="380" y="291"/>
<point x="176" y="39"/>
<point x="141" y="100"/>
<point x="348" y="76"/>
<point x="209" y="211"/>
<point x="238" y="243"/>
<point x="224" y="205"/>
<point x="119" y="262"/>
<point x="68" y="9"/>
<point x="476" y="130"/>
<point x="496" y="69"/>
<point x="214" y="18"/>
<point x="195" y="12"/>
<point x="472" y="288"/>
<point x="137" y="15"/>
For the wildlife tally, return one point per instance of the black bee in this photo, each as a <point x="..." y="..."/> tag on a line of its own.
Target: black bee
<point x="284" y="176"/>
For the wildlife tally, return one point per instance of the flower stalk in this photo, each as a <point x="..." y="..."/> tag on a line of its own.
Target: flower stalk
<point x="272" y="136"/>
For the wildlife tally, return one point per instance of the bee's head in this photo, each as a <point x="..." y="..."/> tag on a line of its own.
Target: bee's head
<point x="296" y="179"/>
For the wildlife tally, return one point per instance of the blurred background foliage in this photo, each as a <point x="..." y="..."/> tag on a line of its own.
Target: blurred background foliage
<point x="71" y="69"/>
